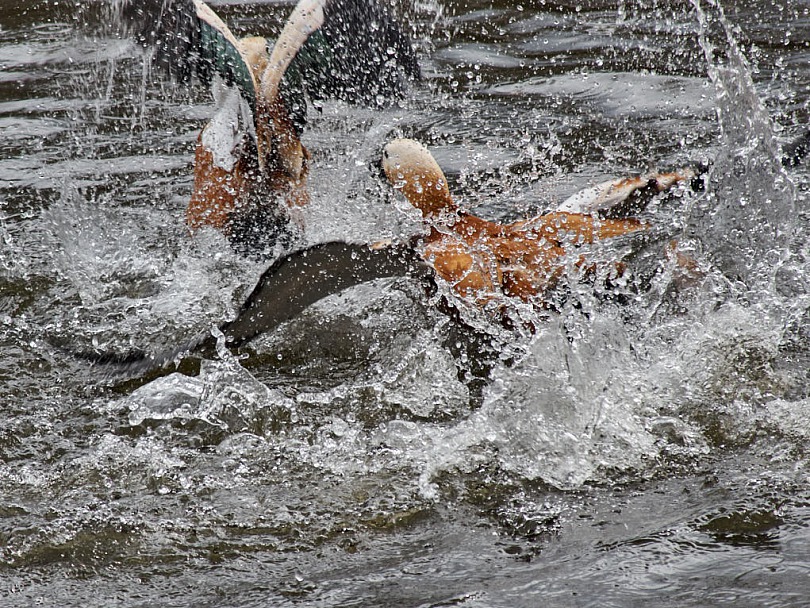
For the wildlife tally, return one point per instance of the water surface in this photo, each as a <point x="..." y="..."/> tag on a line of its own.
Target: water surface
<point x="644" y="449"/>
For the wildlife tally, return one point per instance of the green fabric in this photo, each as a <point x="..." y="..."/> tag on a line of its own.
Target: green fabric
<point x="227" y="62"/>
<point x="314" y="56"/>
<point x="308" y="72"/>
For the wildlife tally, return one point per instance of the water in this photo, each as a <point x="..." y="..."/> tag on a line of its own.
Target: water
<point x="652" y="451"/>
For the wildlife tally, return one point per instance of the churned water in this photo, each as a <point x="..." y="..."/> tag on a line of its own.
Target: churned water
<point x="648" y="449"/>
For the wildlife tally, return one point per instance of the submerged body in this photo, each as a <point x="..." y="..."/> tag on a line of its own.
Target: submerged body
<point x="482" y="259"/>
<point x="250" y="167"/>
<point x="254" y="206"/>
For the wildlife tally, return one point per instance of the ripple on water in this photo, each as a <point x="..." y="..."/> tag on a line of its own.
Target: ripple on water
<point x="624" y="94"/>
<point x="652" y="453"/>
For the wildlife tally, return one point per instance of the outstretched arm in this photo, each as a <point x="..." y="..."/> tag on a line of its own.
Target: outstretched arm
<point x="187" y="38"/>
<point x="286" y="289"/>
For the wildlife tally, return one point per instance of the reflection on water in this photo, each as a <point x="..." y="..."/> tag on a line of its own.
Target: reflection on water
<point x="649" y="448"/>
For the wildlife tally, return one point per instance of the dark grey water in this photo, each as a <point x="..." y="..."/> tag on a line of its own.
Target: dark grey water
<point x="651" y="453"/>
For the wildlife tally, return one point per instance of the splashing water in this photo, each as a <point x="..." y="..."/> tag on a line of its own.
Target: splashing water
<point x="579" y="409"/>
<point x="560" y="415"/>
<point x="346" y="462"/>
<point x="745" y="221"/>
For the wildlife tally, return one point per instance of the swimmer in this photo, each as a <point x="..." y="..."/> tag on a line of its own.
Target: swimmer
<point x="250" y="167"/>
<point x="482" y="259"/>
